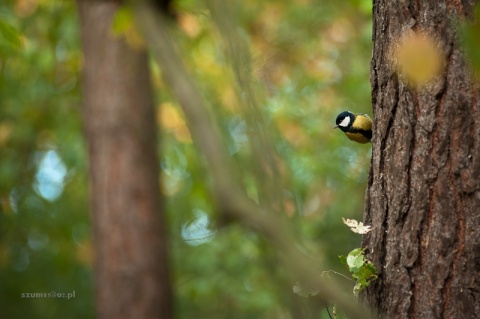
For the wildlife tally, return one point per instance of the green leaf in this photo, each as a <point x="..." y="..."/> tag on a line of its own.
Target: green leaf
<point x="355" y="259"/>
<point x="368" y="270"/>
<point x="9" y="35"/>
<point x="356" y="251"/>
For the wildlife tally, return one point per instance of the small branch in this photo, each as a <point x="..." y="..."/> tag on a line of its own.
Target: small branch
<point x="336" y="273"/>
<point x="326" y="306"/>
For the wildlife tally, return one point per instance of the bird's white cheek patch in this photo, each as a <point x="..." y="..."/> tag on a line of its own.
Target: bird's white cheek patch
<point x="345" y="122"/>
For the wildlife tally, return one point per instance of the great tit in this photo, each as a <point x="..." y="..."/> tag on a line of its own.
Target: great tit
<point x="357" y="127"/>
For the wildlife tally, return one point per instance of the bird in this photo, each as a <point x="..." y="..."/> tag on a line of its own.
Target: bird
<point x="357" y="127"/>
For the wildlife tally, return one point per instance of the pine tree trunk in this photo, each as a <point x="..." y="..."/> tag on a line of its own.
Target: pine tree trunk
<point x="131" y="265"/>
<point x="423" y="197"/>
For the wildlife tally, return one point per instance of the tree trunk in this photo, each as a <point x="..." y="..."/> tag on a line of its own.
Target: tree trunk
<point x="131" y="265"/>
<point x="423" y="197"/>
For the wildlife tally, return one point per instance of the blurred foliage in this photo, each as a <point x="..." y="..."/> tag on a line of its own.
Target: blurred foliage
<point x="469" y="31"/>
<point x="45" y="241"/>
<point x="417" y="57"/>
<point x="310" y="61"/>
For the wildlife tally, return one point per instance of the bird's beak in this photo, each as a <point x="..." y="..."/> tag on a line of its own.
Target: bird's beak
<point x="335" y="126"/>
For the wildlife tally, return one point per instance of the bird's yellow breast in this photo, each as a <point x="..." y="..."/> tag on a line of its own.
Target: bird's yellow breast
<point x="357" y="137"/>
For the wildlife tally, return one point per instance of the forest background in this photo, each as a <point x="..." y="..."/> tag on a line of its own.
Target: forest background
<point x="310" y="60"/>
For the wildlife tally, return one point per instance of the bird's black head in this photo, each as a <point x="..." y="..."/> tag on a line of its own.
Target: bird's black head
<point x="345" y="120"/>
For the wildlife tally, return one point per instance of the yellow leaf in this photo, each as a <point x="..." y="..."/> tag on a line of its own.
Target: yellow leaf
<point x="417" y="57"/>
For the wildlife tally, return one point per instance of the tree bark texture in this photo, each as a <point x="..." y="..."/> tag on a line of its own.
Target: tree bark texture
<point x="131" y="260"/>
<point x="423" y="196"/>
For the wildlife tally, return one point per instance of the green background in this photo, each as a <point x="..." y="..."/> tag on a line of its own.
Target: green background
<point x="310" y="61"/>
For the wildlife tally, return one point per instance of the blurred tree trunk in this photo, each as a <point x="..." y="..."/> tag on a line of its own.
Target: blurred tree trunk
<point x="423" y="196"/>
<point x="132" y="275"/>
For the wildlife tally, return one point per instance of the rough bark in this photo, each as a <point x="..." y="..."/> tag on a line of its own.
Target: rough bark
<point x="423" y="196"/>
<point x="131" y="265"/>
